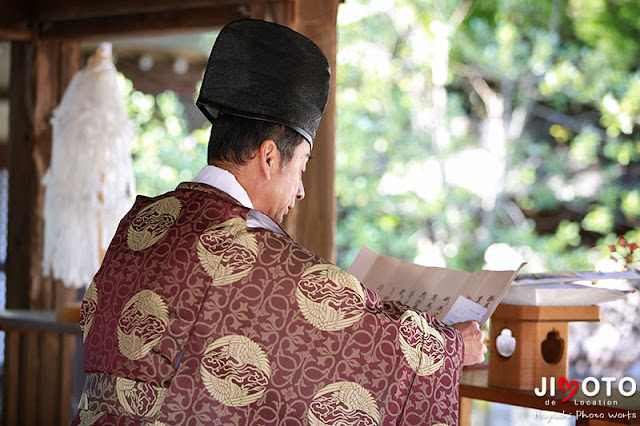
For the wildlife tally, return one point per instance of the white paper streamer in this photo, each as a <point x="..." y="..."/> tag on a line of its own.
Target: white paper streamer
<point x="90" y="183"/>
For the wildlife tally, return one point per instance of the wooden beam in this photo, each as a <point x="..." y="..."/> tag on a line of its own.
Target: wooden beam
<point x="64" y="10"/>
<point x="161" y="76"/>
<point x="15" y="20"/>
<point x="153" y="23"/>
<point x="4" y="154"/>
<point x="95" y="19"/>
<point x="14" y="33"/>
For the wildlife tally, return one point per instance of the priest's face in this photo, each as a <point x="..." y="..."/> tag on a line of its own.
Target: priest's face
<point x="286" y="182"/>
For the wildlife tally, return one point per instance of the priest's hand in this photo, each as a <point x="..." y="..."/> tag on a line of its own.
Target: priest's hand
<point x="473" y="338"/>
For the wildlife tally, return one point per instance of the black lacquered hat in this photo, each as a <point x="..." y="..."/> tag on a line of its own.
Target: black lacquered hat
<point x="266" y="71"/>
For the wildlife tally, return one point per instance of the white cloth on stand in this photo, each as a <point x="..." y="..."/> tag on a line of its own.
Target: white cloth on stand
<point x="90" y="183"/>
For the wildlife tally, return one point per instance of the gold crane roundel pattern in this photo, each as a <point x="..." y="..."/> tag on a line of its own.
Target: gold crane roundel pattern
<point x="343" y="403"/>
<point x="140" y="399"/>
<point x="235" y="370"/>
<point x="89" y="417"/>
<point x="142" y="323"/>
<point x="152" y="223"/>
<point x="227" y="251"/>
<point x="329" y="298"/>
<point x="88" y="309"/>
<point x="422" y="345"/>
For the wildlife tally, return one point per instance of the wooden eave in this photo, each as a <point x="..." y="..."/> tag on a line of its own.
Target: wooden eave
<point x="96" y="19"/>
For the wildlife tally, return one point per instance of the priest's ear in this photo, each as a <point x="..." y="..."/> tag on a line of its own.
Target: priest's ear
<point x="269" y="156"/>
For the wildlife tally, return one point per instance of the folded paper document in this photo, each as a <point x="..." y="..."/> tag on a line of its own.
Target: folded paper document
<point x="567" y="288"/>
<point x="561" y="294"/>
<point x="450" y="295"/>
<point x="569" y="277"/>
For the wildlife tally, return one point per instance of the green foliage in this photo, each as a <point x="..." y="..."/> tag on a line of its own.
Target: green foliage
<point x="568" y="68"/>
<point x="164" y="152"/>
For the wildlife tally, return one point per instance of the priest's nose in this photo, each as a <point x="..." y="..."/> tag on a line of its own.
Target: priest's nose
<point x="300" y="193"/>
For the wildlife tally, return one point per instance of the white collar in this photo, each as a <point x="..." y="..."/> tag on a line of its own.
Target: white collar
<point x="224" y="181"/>
<point x="227" y="182"/>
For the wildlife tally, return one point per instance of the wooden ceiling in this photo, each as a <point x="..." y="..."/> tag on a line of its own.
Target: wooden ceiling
<point x="98" y="19"/>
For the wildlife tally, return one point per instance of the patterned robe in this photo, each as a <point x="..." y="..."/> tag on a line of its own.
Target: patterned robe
<point x="194" y="318"/>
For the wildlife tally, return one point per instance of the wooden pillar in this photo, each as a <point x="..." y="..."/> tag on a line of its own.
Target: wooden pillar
<point x="464" y="412"/>
<point x="313" y="222"/>
<point x="40" y="72"/>
<point x="37" y="365"/>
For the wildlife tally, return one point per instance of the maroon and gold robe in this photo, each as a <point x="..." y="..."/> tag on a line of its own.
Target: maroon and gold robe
<point x="194" y="318"/>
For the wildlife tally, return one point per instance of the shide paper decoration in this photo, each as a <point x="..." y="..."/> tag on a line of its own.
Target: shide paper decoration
<point x="90" y="182"/>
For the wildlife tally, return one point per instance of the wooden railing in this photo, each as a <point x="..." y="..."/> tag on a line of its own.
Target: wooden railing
<point x="38" y="368"/>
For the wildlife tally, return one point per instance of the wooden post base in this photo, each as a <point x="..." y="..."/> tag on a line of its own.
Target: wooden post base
<point x="541" y="336"/>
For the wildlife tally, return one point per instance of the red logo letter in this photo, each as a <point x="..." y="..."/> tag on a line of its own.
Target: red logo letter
<point x="565" y="385"/>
